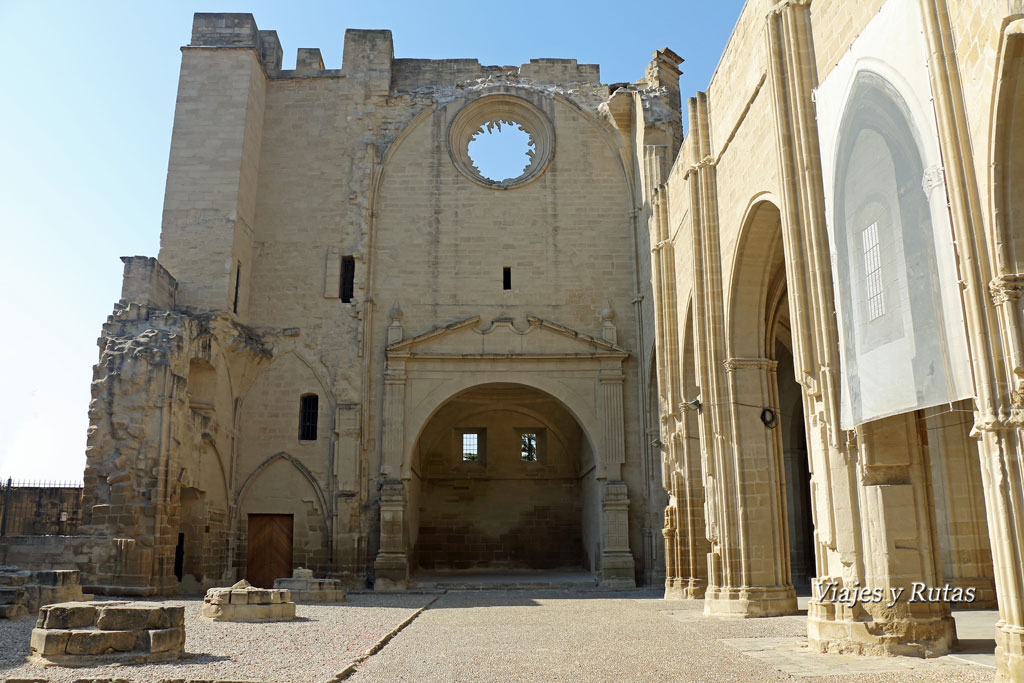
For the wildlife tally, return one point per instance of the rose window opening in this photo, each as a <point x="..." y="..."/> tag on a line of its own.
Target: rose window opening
<point x="501" y="150"/>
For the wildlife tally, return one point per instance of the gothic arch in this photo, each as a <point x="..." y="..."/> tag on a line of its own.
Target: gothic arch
<point x="757" y="262"/>
<point x="294" y="462"/>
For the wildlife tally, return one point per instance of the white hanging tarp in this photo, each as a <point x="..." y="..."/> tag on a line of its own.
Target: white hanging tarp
<point x="902" y="341"/>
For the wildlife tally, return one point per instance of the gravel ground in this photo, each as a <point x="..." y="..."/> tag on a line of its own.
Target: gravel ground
<point x="559" y="636"/>
<point x="319" y="643"/>
<point x="518" y="635"/>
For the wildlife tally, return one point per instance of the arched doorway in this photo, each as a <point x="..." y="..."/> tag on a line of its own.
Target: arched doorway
<point x="503" y="478"/>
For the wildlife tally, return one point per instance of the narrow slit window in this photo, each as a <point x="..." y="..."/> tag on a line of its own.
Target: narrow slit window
<point x="470" y="447"/>
<point x="528" y="446"/>
<point x="309" y="410"/>
<point x="238" y="281"/>
<point x="348" y="278"/>
<point x="506" y="278"/>
<point x="873" y="271"/>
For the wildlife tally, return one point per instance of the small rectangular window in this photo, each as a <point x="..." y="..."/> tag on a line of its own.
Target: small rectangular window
<point x="348" y="278"/>
<point x="309" y="410"/>
<point x="506" y="278"/>
<point x="873" y="271"/>
<point x="528" y="446"/>
<point x="470" y="447"/>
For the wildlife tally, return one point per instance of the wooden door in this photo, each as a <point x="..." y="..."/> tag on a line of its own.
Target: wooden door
<point x="270" y="549"/>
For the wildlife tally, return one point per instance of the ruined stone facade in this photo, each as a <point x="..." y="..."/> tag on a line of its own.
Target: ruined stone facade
<point x="350" y="332"/>
<point x="341" y="297"/>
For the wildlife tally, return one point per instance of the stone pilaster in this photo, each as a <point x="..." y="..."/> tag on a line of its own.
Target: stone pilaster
<point x="391" y="568"/>
<point x="393" y="422"/>
<point x="613" y="453"/>
<point x="617" y="566"/>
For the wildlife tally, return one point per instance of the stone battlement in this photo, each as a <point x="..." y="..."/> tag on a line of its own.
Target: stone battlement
<point x="369" y="51"/>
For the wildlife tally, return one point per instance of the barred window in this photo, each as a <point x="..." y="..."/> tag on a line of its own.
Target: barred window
<point x="309" y="410"/>
<point x="471" y="447"/>
<point x="873" y="271"/>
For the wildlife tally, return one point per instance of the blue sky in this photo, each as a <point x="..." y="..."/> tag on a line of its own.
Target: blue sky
<point x="88" y="101"/>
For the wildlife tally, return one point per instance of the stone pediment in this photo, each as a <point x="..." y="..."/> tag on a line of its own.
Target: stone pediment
<point x="502" y="339"/>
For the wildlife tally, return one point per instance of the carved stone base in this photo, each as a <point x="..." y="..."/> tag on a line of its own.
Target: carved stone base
<point x="745" y="602"/>
<point x="1009" y="653"/>
<point x="684" y="589"/>
<point x="391" y="572"/>
<point x="617" y="571"/>
<point x="918" y="630"/>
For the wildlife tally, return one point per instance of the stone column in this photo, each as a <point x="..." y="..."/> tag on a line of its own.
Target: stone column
<point x="761" y="498"/>
<point x="668" y="531"/>
<point x="1001" y="456"/>
<point x="992" y="315"/>
<point x="613" y="451"/>
<point x="688" y="489"/>
<point x="393" y="422"/>
<point x="738" y="584"/>
<point x="391" y="568"/>
<point x="617" y="566"/>
<point x="897" y="534"/>
<point x="870" y="490"/>
<point x="959" y="495"/>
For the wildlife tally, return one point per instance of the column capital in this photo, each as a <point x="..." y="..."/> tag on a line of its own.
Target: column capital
<point x="765" y="364"/>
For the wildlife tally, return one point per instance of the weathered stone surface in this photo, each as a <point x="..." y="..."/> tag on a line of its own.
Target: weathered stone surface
<point x="88" y="633"/>
<point x="24" y="591"/>
<point x="308" y="589"/>
<point x="248" y="604"/>
<point x="67" y="615"/>
<point x="162" y="640"/>
<point x="692" y="285"/>
<point x="81" y="642"/>
<point x="50" y="641"/>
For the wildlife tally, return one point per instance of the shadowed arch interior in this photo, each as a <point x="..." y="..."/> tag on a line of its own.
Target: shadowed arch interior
<point x="502" y="510"/>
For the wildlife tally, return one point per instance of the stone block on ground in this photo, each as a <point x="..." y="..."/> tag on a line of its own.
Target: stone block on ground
<point x="24" y="592"/>
<point x="305" y="588"/>
<point x="244" y="602"/>
<point x="97" y="633"/>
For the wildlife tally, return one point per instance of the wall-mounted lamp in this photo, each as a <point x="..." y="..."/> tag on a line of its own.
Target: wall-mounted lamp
<point x="657" y="444"/>
<point x="695" y="404"/>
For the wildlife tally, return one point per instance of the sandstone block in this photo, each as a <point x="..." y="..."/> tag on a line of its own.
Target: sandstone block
<point x="175" y="615"/>
<point x="67" y="615"/>
<point x="49" y="642"/>
<point x="126" y="618"/>
<point x="239" y="597"/>
<point x="162" y="640"/>
<point x="100" y="642"/>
